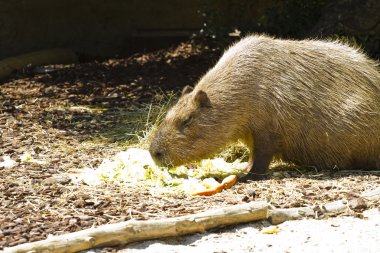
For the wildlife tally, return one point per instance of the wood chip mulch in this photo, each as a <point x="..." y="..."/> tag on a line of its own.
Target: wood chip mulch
<point x="35" y="200"/>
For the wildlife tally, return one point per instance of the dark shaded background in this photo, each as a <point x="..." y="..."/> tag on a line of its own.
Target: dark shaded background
<point x="96" y="28"/>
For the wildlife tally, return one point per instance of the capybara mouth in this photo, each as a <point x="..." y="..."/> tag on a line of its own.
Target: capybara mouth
<point x="163" y="163"/>
<point x="160" y="163"/>
<point x="159" y="159"/>
<point x="160" y="156"/>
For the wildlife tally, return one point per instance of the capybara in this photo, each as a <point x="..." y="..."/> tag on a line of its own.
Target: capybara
<point x="308" y="102"/>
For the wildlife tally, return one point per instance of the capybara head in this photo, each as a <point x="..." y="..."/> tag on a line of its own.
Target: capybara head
<point x="188" y="132"/>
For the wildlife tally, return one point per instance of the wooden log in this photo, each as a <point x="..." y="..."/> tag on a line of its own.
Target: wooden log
<point x="372" y="195"/>
<point x="43" y="57"/>
<point x="336" y="207"/>
<point x="132" y="231"/>
<point x="280" y="215"/>
<point x="277" y="216"/>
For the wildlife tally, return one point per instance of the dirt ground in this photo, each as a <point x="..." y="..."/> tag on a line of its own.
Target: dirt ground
<point x="47" y="115"/>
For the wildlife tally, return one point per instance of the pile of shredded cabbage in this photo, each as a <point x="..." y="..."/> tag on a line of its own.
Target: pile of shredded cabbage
<point x="135" y="166"/>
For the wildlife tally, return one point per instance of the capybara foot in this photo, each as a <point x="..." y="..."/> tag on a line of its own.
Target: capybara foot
<point x="253" y="177"/>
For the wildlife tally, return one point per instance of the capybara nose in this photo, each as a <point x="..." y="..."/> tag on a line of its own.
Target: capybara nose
<point x="156" y="153"/>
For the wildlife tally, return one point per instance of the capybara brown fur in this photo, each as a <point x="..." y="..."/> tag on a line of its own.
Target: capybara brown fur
<point x="309" y="102"/>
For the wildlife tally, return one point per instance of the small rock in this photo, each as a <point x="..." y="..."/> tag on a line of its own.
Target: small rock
<point x="357" y="204"/>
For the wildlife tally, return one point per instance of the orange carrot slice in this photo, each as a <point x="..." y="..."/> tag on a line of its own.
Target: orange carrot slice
<point x="227" y="183"/>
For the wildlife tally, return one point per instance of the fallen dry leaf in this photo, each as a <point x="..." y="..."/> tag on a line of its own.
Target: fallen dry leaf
<point x="271" y="230"/>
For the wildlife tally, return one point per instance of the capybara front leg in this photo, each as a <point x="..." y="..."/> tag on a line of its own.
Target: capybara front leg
<point x="262" y="153"/>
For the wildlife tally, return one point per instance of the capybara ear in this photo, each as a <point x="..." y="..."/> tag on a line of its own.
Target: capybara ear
<point x="186" y="90"/>
<point x="202" y="99"/>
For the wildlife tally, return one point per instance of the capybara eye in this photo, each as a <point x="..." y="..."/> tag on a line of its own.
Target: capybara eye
<point x="187" y="122"/>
